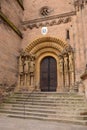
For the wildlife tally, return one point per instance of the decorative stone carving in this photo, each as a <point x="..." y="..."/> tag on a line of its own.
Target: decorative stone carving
<point x="71" y="62"/>
<point x="61" y="64"/>
<point x="50" y="21"/>
<point x="26" y="65"/>
<point x="26" y="69"/>
<point x="32" y="69"/>
<point x="79" y="4"/>
<point x="45" y="11"/>
<point x="65" y="63"/>
<point x="52" y="42"/>
<point x="71" y="69"/>
<point x="20" y="64"/>
<point x="66" y="72"/>
<point x="32" y="65"/>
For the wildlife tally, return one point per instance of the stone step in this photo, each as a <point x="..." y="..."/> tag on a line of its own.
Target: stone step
<point x="45" y="114"/>
<point x="44" y="98"/>
<point x="60" y="119"/>
<point x="48" y="98"/>
<point x="50" y="101"/>
<point x="58" y="108"/>
<point x="55" y="119"/>
<point x="46" y="106"/>
<point x="44" y="102"/>
<point x="75" y="111"/>
<point x="48" y="95"/>
<point x="55" y="111"/>
<point x="52" y="107"/>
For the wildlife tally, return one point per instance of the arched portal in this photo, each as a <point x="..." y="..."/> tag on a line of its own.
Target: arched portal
<point x="32" y="65"/>
<point x="48" y="74"/>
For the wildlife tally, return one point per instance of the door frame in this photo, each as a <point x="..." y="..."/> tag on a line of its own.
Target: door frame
<point x="49" y="70"/>
<point x="37" y="68"/>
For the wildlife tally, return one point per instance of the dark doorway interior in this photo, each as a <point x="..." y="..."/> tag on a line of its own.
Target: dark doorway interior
<point x="48" y="74"/>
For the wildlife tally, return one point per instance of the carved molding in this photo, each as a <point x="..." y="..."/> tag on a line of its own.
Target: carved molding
<point x="49" y="21"/>
<point x="40" y="48"/>
<point x="50" y="42"/>
<point x="80" y="4"/>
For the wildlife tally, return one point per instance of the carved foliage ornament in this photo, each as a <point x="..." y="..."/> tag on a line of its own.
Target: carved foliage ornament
<point x="50" y="23"/>
<point x="79" y="4"/>
<point x="45" y="11"/>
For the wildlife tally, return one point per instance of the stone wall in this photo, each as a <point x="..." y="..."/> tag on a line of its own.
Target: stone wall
<point x="13" y="11"/>
<point x="80" y="39"/>
<point x="32" y="7"/>
<point x="77" y="27"/>
<point x="10" y="42"/>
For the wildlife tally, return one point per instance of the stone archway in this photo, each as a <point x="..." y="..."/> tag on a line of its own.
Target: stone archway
<point x="41" y="48"/>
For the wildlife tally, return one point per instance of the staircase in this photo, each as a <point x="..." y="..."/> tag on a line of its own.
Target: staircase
<point x="60" y="107"/>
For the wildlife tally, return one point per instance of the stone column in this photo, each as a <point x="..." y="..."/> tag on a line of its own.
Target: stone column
<point x="61" y="74"/>
<point x="20" y="67"/>
<point x="32" y="71"/>
<point x="71" y="70"/>
<point x="66" y="72"/>
<point x="26" y="72"/>
<point x="25" y="80"/>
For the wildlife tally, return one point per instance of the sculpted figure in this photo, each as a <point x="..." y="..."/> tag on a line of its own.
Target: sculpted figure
<point x="26" y="65"/>
<point x="66" y="64"/>
<point x="32" y="65"/>
<point x="71" y="67"/>
<point x="61" y="64"/>
<point x="20" y="65"/>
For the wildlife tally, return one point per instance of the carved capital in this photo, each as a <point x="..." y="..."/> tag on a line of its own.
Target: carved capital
<point x="79" y="4"/>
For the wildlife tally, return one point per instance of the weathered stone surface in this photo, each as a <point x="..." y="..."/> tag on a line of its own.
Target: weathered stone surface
<point x="13" y="11"/>
<point x="77" y="27"/>
<point x="10" y="43"/>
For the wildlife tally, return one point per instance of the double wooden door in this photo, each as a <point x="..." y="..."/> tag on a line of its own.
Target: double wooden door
<point x="48" y="74"/>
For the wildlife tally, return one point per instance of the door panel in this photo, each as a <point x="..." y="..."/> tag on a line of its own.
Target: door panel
<point x="48" y="74"/>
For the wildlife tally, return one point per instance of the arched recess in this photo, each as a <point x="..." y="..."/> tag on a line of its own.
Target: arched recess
<point x="43" y="47"/>
<point x="38" y="63"/>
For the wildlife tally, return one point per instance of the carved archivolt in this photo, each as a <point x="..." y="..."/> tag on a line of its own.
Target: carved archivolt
<point x="29" y="62"/>
<point x="46" y="42"/>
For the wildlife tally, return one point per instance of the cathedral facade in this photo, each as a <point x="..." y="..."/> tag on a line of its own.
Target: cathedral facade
<point x="43" y="44"/>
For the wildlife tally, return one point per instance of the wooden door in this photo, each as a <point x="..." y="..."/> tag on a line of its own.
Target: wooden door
<point x="48" y="74"/>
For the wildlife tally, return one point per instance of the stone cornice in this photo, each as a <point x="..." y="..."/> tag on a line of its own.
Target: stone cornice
<point x="4" y="17"/>
<point x="20" y="3"/>
<point x="49" y="21"/>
